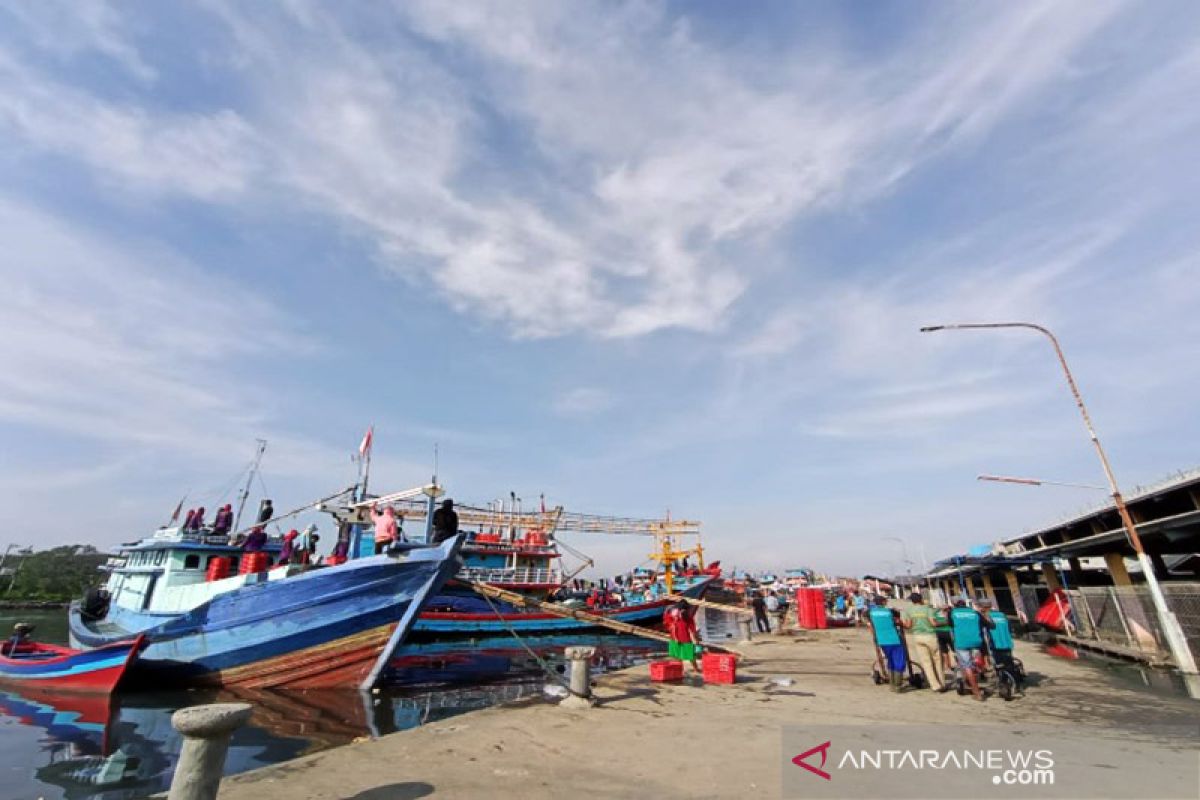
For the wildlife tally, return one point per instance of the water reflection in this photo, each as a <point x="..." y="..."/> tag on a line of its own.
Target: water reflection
<point x="82" y="747"/>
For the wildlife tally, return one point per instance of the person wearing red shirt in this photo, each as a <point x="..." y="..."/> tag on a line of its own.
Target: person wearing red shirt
<point x="680" y="622"/>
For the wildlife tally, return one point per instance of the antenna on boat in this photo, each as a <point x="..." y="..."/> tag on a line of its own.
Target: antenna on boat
<point x="245" y="494"/>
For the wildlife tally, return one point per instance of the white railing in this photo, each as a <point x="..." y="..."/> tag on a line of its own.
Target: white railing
<point x="524" y="575"/>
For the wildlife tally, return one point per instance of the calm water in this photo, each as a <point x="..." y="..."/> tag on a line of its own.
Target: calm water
<point x="125" y="747"/>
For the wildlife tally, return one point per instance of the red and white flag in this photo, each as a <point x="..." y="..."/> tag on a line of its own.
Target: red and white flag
<point x="365" y="446"/>
<point x="178" y="510"/>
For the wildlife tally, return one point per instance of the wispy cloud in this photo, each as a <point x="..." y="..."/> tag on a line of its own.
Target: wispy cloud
<point x="779" y="334"/>
<point x="735" y="231"/>
<point x="644" y="151"/>
<point x="582" y="401"/>
<point x="130" y="346"/>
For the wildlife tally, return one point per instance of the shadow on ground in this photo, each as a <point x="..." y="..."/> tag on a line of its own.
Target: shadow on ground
<point x="395" y="791"/>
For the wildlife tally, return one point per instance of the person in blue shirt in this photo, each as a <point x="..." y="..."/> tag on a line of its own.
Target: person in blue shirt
<point x="1000" y="635"/>
<point x="860" y="608"/>
<point x="887" y="638"/>
<point x="966" y="626"/>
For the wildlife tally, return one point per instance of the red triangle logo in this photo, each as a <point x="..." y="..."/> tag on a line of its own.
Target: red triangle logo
<point x="823" y="749"/>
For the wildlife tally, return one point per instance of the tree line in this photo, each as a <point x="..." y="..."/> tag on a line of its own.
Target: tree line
<point x="58" y="574"/>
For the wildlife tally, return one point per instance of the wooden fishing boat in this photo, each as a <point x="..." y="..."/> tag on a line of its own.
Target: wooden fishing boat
<point x="62" y="669"/>
<point x="267" y="624"/>
<point x="521" y="551"/>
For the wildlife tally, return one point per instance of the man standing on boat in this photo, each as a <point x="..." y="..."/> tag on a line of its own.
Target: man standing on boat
<point x="681" y="627"/>
<point x="445" y="522"/>
<point x="385" y="527"/>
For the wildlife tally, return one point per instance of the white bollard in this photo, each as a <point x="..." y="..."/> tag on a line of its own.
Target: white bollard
<point x="581" y="677"/>
<point x="206" y="731"/>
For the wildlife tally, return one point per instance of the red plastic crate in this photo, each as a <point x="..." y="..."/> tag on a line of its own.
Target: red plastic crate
<point x="719" y="668"/>
<point x="666" y="670"/>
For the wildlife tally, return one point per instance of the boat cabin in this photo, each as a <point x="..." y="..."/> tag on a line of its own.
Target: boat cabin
<point x="173" y="571"/>
<point x="524" y="562"/>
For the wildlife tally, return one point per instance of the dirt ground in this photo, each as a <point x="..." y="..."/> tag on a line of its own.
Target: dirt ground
<point x="646" y="739"/>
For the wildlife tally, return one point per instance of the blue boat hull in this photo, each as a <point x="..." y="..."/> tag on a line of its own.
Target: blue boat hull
<point x="483" y="620"/>
<point x="320" y="629"/>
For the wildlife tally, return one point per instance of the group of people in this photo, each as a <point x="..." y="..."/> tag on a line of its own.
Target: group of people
<point x="962" y="637"/>
<point x="766" y="604"/>
<point x="222" y="523"/>
<point x="300" y="547"/>
<point x="848" y="604"/>
<point x="604" y="593"/>
<point x="389" y="525"/>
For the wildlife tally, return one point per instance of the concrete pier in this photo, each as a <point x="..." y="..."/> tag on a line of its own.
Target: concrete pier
<point x="661" y="740"/>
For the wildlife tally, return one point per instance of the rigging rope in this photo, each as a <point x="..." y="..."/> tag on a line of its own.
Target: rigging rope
<point x="566" y="684"/>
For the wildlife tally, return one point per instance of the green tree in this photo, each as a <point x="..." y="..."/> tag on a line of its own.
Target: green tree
<point x="60" y="573"/>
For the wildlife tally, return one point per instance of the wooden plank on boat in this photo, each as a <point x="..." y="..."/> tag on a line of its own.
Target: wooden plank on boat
<point x="712" y="605"/>
<point x="574" y="613"/>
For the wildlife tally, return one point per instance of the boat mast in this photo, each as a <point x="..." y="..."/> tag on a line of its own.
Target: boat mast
<point x="262" y="448"/>
<point x="431" y="497"/>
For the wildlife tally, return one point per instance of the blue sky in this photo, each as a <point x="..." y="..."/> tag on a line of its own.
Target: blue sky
<point x="635" y="256"/>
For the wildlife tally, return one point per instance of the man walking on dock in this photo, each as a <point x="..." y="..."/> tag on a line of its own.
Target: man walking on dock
<point x="922" y="621"/>
<point x="887" y="638"/>
<point x="967" y="626"/>
<point x="760" y="613"/>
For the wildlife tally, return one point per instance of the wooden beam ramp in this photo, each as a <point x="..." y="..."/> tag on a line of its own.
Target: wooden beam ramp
<point x="524" y="601"/>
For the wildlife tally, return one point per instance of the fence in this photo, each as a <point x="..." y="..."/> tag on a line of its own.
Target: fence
<point x="1124" y="616"/>
<point x="503" y="575"/>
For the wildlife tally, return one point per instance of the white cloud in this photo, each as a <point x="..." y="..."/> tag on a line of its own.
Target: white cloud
<point x="583" y="401"/>
<point x="67" y="28"/>
<point x="133" y="347"/>
<point x="204" y="155"/>
<point x="779" y="334"/>
<point x="640" y="153"/>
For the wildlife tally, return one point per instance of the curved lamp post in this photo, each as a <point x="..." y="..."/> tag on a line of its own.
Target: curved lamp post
<point x="1037" y="482"/>
<point x="1176" y="640"/>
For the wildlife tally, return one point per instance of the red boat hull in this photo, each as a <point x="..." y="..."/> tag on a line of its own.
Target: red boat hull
<point x="60" y="669"/>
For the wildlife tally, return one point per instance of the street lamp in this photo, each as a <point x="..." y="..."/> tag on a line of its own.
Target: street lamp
<point x="908" y="563"/>
<point x="1037" y="482"/>
<point x="1176" y="640"/>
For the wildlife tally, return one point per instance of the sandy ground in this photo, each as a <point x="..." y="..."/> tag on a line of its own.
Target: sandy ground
<point x="678" y="740"/>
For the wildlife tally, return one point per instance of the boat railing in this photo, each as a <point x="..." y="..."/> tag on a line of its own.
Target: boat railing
<point x="525" y="575"/>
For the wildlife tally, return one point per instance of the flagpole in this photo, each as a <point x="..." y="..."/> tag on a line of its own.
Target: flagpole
<point x="370" y="445"/>
<point x="178" y="509"/>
